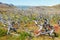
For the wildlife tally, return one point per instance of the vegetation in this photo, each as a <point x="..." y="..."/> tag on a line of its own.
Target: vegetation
<point x="25" y="19"/>
<point x="2" y="32"/>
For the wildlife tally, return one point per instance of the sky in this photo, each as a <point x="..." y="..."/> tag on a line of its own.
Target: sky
<point x="32" y="2"/>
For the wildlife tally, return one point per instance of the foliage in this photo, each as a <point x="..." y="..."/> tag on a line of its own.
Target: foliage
<point x="2" y="32"/>
<point x="23" y="35"/>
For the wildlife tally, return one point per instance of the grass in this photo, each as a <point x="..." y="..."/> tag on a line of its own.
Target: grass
<point x="24" y="35"/>
<point x="26" y="21"/>
<point x="2" y="32"/>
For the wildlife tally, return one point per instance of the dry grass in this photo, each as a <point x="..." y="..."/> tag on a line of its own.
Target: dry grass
<point x="30" y="27"/>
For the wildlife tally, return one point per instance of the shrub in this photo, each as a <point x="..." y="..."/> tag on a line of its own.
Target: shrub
<point x="24" y="35"/>
<point x="2" y="32"/>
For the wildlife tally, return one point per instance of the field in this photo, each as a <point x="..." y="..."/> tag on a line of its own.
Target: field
<point x="24" y="22"/>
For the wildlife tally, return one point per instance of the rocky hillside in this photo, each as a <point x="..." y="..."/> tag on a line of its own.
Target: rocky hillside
<point x="45" y="9"/>
<point x="28" y="10"/>
<point x="38" y="10"/>
<point x="4" y="5"/>
<point x="7" y="8"/>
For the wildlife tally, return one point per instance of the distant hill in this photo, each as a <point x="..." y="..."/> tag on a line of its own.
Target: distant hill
<point x="4" y="5"/>
<point x="55" y="9"/>
<point x="56" y="6"/>
<point x="30" y="9"/>
<point x="7" y="7"/>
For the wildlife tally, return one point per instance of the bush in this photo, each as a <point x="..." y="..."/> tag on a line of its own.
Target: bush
<point x="2" y="32"/>
<point x="24" y="35"/>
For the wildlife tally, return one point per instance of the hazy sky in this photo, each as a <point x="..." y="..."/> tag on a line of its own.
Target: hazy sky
<point x="32" y="2"/>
